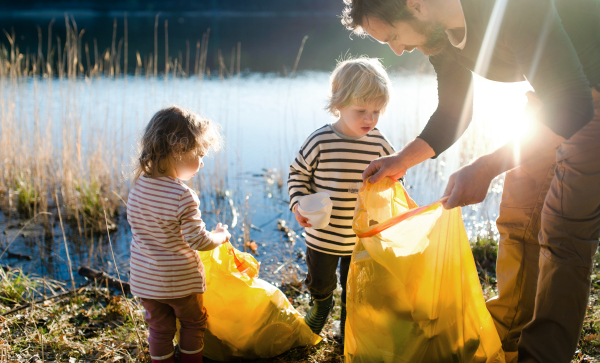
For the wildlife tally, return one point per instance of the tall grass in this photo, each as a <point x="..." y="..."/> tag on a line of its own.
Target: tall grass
<point x="42" y="156"/>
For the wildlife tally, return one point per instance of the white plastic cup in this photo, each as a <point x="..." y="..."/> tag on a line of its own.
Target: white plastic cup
<point x="317" y="208"/>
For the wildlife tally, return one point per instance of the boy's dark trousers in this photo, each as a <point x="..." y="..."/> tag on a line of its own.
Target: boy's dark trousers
<point x="321" y="279"/>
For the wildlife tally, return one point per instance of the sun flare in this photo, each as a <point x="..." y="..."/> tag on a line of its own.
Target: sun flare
<point x="501" y="109"/>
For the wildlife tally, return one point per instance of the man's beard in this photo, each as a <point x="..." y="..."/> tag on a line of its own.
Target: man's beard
<point x="435" y="34"/>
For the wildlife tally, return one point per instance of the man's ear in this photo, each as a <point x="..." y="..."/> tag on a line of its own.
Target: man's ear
<point x="418" y="8"/>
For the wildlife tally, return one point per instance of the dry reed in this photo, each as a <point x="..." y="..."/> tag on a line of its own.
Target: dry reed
<point x="37" y="159"/>
<point x="51" y="165"/>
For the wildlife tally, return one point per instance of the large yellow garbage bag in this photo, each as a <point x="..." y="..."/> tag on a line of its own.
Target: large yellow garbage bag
<point x="413" y="293"/>
<point x="247" y="317"/>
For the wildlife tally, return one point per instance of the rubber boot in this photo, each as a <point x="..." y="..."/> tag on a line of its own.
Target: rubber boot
<point x="170" y="359"/>
<point x="318" y="313"/>
<point x="190" y="358"/>
<point x="342" y="334"/>
<point x="511" y="357"/>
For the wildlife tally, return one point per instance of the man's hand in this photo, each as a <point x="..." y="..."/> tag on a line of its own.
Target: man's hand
<point x="384" y="166"/>
<point x="303" y="221"/>
<point x="395" y="166"/>
<point x="468" y="185"/>
<point x="534" y="104"/>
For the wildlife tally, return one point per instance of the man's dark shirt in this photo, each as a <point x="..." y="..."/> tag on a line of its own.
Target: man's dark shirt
<point x="553" y="45"/>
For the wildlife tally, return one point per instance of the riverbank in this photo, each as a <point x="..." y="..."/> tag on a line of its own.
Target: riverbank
<point x="98" y="324"/>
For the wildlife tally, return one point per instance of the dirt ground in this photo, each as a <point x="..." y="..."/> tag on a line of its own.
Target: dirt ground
<point x="99" y="325"/>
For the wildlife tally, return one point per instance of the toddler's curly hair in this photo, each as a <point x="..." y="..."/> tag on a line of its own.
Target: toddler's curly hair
<point x="174" y="131"/>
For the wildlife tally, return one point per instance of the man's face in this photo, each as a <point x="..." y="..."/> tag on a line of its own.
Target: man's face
<point x="407" y="35"/>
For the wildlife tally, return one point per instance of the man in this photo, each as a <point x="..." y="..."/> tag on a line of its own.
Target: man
<point x="549" y="219"/>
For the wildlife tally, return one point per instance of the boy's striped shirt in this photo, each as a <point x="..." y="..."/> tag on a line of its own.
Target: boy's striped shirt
<point x="167" y="228"/>
<point x="330" y="163"/>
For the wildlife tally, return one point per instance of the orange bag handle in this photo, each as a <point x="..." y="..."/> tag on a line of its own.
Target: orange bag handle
<point x="378" y="228"/>
<point x="238" y="263"/>
<point x="241" y="265"/>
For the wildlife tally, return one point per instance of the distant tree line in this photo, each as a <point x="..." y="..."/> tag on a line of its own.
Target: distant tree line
<point x="178" y="5"/>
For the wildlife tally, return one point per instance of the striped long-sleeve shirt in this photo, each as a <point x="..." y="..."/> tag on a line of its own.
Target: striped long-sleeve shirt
<point x="333" y="163"/>
<point x="167" y="228"/>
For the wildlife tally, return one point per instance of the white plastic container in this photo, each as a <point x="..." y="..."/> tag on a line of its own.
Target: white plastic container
<point x="317" y="208"/>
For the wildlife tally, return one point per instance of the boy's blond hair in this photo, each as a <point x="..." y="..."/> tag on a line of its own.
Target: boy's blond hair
<point x="358" y="81"/>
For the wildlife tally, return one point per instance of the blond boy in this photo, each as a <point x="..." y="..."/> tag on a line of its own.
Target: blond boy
<point x="332" y="160"/>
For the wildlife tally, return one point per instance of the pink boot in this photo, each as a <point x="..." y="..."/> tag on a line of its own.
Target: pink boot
<point x="190" y="358"/>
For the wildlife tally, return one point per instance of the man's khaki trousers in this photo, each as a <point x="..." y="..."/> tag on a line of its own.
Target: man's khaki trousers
<point x="549" y="225"/>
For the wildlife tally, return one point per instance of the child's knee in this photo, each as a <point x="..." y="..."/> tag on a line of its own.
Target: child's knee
<point x="194" y="320"/>
<point x="193" y="324"/>
<point x="161" y="333"/>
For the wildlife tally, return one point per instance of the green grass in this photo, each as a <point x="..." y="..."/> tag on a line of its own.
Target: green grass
<point x="93" y="200"/>
<point x="93" y="325"/>
<point x="15" y="288"/>
<point x="589" y="343"/>
<point x="97" y="325"/>
<point x="27" y="196"/>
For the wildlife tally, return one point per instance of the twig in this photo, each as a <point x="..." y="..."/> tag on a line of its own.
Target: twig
<point x="62" y="228"/>
<point x="110" y="350"/>
<point x="125" y="48"/>
<point x="156" y="45"/>
<point x="39" y="301"/>
<point x="294" y="288"/>
<point x="280" y="267"/>
<point x="120" y="198"/>
<point x="298" y="56"/>
<point x="234" y="214"/>
<point x="119" y="276"/>
<point x="103" y="277"/>
<point x="18" y="256"/>
<point x="166" y="49"/>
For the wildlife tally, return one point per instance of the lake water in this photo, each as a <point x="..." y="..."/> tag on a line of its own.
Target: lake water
<point x="269" y="40"/>
<point x="265" y="119"/>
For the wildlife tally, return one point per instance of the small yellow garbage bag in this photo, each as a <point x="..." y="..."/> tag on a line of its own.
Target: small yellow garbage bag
<point x="247" y="317"/>
<point x="413" y="293"/>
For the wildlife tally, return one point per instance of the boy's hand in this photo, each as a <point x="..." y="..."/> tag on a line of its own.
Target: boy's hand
<point x="303" y="221"/>
<point x="223" y="229"/>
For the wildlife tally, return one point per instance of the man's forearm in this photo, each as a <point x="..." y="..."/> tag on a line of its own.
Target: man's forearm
<point x="470" y="184"/>
<point x="540" y="140"/>
<point x="415" y="152"/>
<point x="396" y="165"/>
